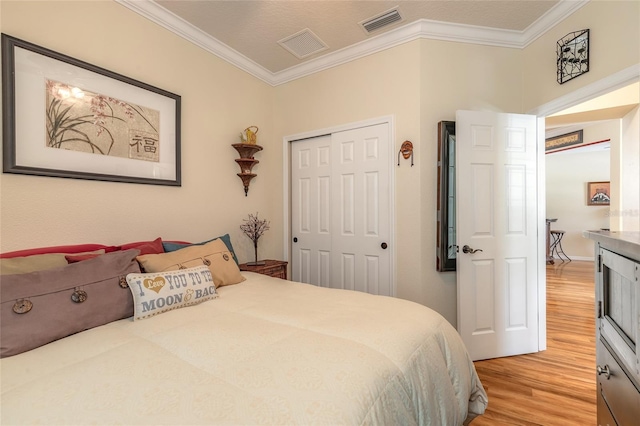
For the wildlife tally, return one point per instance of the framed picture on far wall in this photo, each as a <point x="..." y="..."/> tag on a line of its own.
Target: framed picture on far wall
<point x="598" y="193"/>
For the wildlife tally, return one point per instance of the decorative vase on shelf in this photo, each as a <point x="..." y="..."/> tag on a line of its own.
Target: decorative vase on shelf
<point x="251" y="134"/>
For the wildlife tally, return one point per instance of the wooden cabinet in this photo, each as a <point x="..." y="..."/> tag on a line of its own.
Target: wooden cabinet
<point x="273" y="268"/>
<point x="618" y="398"/>
<point x="617" y="326"/>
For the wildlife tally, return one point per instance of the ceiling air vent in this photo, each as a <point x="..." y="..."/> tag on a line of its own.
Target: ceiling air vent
<point x="303" y="43"/>
<point x="382" y="20"/>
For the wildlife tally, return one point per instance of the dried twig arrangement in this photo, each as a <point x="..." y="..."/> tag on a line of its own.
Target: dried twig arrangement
<point x="254" y="228"/>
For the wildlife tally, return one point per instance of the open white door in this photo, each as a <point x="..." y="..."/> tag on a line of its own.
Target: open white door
<point x="496" y="218"/>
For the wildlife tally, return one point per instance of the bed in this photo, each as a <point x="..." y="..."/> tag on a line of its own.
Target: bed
<point x="264" y="351"/>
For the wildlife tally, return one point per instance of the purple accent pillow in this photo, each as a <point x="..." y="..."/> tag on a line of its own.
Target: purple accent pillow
<point x="37" y="308"/>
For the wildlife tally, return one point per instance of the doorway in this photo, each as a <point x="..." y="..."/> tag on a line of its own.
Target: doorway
<point x="568" y="174"/>
<point x="595" y="158"/>
<point x="608" y="84"/>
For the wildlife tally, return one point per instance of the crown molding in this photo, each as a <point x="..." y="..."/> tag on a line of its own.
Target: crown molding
<point x="422" y="29"/>
<point x="170" y="21"/>
<point x="562" y="10"/>
<point x="379" y="43"/>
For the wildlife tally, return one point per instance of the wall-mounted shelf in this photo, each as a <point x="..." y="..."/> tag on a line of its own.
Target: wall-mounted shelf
<point x="246" y="162"/>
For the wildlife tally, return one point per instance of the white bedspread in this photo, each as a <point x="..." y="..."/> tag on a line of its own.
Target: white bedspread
<point x="267" y="351"/>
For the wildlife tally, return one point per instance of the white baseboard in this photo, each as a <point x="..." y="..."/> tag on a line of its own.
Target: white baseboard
<point x="585" y="258"/>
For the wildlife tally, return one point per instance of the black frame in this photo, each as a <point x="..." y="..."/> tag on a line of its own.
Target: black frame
<point x="572" y="53"/>
<point x="444" y="247"/>
<point x="9" y="44"/>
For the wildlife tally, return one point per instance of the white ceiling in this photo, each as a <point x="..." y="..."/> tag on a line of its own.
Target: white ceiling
<point x="253" y="28"/>
<point x="246" y="32"/>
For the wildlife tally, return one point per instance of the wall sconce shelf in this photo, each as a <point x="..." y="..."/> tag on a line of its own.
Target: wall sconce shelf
<point x="246" y="162"/>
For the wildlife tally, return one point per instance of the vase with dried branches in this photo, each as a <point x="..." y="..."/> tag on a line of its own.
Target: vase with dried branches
<point x="254" y="228"/>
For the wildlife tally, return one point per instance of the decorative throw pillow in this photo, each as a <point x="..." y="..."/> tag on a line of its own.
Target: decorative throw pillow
<point x="158" y="292"/>
<point x="145" y="247"/>
<point x="38" y="262"/>
<point x="74" y="258"/>
<point x="173" y="246"/>
<point x="39" y="307"/>
<point x="68" y="249"/>
<point x="215" y="255"/>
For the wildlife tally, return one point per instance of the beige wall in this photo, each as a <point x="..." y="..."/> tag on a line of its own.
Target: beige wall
<point x="218" y="101"/>
<point x="455" y="76"/>
<point x="387" y="83"/>
<point x="419" y="83"/>
<point x="629" y="214"/>
<point x="614" y="46"/>
<point x="566" y="192"/>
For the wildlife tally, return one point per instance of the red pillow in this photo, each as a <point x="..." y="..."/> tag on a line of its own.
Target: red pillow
<point x="145" y="247"/>
<point x="74" y="258"/>
<point x="79" y="248"/>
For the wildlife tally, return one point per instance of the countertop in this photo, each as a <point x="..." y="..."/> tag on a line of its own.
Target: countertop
<point x="626" y="243"/>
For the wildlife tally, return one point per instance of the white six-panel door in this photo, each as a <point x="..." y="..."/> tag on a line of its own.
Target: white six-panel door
<point x="341" y="221"/>
<point x="496" y="193"/>
<point x="311" y="210"/>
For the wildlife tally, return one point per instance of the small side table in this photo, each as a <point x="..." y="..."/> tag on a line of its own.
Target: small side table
<point x="272" y="268"/>
<point x="549" y="241"/>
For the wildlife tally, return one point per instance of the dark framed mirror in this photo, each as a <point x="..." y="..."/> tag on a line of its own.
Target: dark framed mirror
<point x="446" y="228"/>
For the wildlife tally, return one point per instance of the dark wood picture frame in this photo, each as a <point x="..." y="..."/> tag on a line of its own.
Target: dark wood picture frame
<point x="446" y="248"/>
<point x="27" y="72"/>
<point x="598" y="193"/>
<point x="563" y="141"/>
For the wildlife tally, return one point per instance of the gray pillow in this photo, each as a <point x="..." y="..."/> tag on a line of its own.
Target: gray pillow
<point x="37" y="308"/>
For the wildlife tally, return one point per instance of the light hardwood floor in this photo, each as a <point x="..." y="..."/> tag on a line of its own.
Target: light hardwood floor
<point x="556" y="386"/>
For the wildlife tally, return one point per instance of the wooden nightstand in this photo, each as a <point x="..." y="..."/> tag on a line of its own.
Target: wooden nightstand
<point x="273" y="268"/>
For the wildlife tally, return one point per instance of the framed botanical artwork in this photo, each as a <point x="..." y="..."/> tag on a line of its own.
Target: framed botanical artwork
<point x="598" y="193"/>
<point x="66" y="118"/>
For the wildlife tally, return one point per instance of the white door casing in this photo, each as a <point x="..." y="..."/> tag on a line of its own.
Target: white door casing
<point x="341" y="210"/>
<point x="496" y="198"/>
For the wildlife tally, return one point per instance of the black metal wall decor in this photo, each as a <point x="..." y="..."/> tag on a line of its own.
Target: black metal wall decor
<point x="573" y="55"/>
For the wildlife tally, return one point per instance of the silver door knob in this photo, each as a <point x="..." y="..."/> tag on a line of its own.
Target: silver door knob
<point x="467" y="249"/>
<point x="604" y="370"/>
